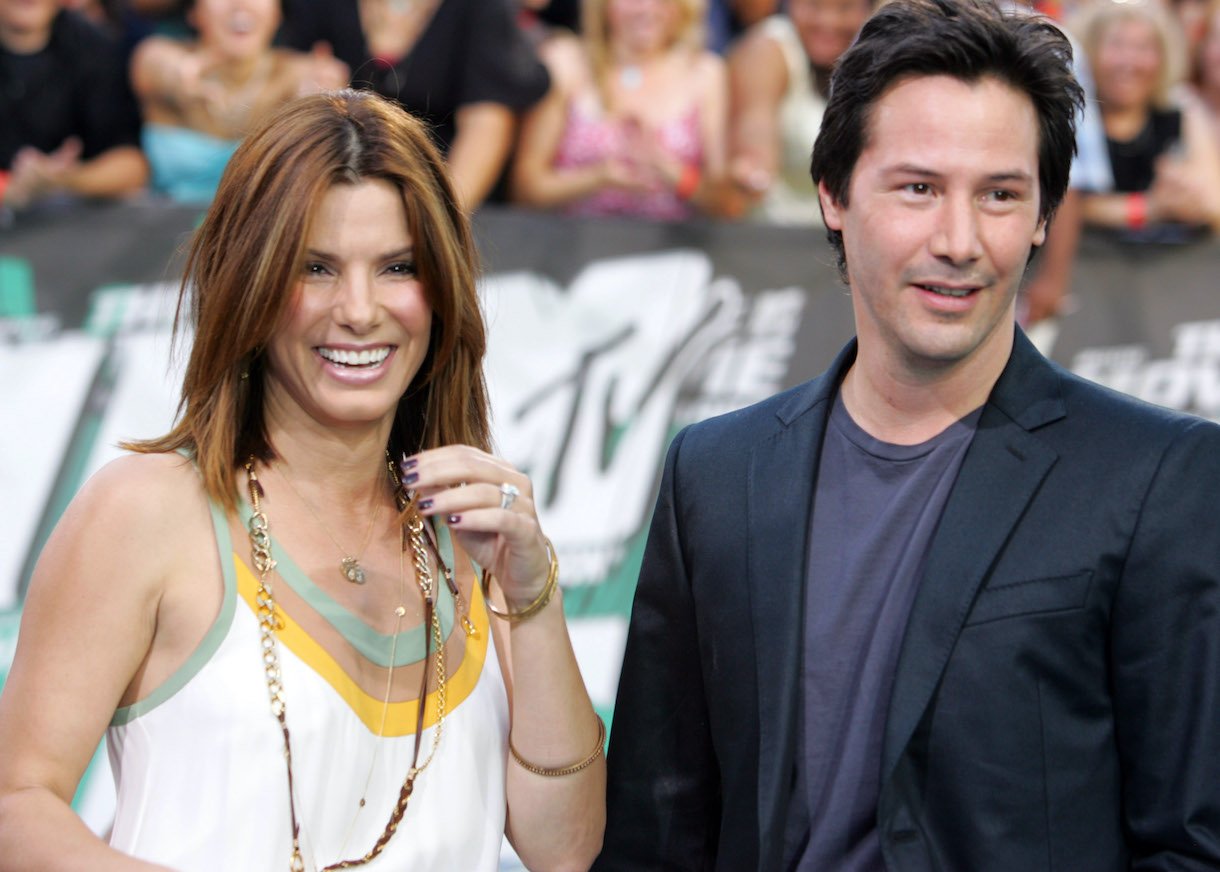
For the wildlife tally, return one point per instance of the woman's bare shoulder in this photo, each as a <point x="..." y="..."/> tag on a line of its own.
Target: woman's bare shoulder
<point x="150" y="59"/>
<point x="136" y="495"/>
<point x="758" y="53"/>
<point x="566" y="59"/>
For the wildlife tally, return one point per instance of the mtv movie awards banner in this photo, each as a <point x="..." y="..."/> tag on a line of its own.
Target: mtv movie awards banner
<point x="605" y="338"/>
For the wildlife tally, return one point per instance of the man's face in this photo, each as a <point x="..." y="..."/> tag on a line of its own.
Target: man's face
<point x="22" y="17"/>
<point x="943" y="210"/>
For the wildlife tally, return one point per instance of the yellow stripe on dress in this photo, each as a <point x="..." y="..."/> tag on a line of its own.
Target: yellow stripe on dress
<point x="400" y="718"/>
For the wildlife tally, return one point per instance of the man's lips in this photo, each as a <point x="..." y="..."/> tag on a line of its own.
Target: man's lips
<point x="946" y="289"/>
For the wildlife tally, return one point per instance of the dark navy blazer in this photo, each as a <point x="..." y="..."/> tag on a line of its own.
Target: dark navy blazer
<point x="1057" y="700"/>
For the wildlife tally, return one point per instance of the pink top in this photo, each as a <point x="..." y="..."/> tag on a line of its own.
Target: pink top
<point x="587" y="140"/>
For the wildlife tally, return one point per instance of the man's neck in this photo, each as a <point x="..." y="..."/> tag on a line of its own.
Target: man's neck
<point x="906" y="405"/>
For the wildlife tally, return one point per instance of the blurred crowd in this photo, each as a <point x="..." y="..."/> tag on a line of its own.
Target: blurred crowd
<point x="661" y="110"/>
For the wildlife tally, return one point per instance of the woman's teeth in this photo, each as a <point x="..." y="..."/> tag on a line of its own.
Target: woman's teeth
<point x="363" y="357"/>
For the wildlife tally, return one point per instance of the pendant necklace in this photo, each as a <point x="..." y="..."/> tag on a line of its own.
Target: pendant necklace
<point x="350" y="564"/>
<point x="631" y="77"/>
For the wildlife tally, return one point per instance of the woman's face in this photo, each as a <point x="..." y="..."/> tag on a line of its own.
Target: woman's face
<point x="357" y="330"/>
<point x="642" y="26"/>
<point x="237" y="29"/>
<point x="1127" y="64"/>
<point x="827" y="27"/>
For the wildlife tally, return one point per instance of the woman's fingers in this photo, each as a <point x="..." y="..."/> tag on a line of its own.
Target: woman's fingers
<point x="481" y="496"/>
<point x="490" y="507"/>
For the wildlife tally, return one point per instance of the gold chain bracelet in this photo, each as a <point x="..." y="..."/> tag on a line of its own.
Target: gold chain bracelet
<point x="598" y="750"/>
<point x="539" y="603"/>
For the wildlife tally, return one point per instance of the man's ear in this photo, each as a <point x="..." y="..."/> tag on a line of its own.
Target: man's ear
<point x="1040" y="233"/>
<point x="830" y="209"/>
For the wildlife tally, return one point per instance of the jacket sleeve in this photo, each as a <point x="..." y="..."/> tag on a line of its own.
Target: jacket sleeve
<point x="664" y="789"/>
<point x="1165" y="659"/>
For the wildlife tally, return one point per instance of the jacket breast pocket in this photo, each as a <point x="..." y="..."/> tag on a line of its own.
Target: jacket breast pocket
<point x="1033" y="597"/>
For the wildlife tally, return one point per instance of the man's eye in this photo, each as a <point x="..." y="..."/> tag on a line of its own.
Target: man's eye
<point x="920" y="188"/>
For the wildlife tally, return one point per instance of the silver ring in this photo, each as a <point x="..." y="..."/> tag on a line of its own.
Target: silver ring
<point x="508" y="493"/>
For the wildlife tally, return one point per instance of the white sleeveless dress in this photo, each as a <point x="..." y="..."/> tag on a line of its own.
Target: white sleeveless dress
<point x="199" y="763"/>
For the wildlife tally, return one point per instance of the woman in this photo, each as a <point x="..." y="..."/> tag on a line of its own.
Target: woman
<point x="464" y="66"/>
<point x="778" y="75"/>
<point x="254" y="604"/>
<point x="199" y="97"/>
<point x="635" y="121"/>
<point x="1166" y="165"/>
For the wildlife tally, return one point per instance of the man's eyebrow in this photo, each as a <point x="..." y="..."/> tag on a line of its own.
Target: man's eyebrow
<point x="909" y="169"/>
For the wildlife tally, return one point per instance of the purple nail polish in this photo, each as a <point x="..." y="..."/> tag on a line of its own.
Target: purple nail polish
<point x="454" y="519"/>
<point x="424" y="505"/>
<point x="409" y="463"/>
<point x="410" y="478"/>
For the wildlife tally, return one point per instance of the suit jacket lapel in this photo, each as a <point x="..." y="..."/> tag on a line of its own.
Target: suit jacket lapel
<point x="779" y="501"/>
<point x="1000" y="474"/>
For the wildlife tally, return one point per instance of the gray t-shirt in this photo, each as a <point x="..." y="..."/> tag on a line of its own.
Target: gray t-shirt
<point x="876" y="507"/>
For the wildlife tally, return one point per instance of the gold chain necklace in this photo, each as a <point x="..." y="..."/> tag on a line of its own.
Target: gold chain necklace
<point x="350" y="564"/>
<point x="413" y="533"/>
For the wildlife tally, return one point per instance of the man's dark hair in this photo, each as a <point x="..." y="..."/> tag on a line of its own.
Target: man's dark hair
<point x="966" y="39"/>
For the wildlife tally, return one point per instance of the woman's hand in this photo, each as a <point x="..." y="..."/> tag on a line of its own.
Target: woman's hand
<point x="489" y="507"/>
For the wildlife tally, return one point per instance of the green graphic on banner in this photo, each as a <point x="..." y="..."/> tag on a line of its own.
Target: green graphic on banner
<point x="16" y="288"/>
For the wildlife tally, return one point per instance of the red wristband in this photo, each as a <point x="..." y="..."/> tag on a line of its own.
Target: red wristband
<point x="688" y="182"/>
<point x="4" y="174"/>
<point x="1137" y="210"/>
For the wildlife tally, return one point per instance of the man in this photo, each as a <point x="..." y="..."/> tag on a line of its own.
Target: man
<point x="68" y="122"/>
<point x="947" y="606"/>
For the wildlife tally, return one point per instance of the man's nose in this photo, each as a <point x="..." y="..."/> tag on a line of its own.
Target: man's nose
<point x="955" y="237"/>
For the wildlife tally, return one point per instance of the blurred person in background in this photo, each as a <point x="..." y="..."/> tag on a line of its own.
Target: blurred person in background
<point x="540" y="15"/>
<point x="464" y="66"/>
<point x="1192" y="21"/>
<point x="1204" y="85"/>
<point x="778" y="74"/>
<point x="1047" y="286"/>
<point x="727" y="20"/>
<point x="1164" y="160"/>
<point x="635" y="123"/>
<point x="68" y="124"/>
<point x="199" y="97"/>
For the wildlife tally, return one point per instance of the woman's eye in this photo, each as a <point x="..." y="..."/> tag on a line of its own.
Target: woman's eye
<point x="313" y="268"/>
<point x="402" y="268"/>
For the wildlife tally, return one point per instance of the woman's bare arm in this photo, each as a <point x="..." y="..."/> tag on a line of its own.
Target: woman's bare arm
<point x="87" y="629"/>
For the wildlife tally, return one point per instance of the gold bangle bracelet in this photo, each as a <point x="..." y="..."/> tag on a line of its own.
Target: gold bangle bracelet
<point x="540" y="601"/>
<point x="598" y="750"/>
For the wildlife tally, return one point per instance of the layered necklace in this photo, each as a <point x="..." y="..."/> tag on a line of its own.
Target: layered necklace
<point x="269" y="621"/>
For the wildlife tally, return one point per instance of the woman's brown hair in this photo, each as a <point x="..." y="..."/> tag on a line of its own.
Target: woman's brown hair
<point x="244" y="264"/>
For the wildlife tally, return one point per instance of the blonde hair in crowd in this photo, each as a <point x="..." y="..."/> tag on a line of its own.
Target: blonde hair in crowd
<point x="1092" y="22"/>
<point x="595" y="29"/>
<point x="245" y="261"/>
